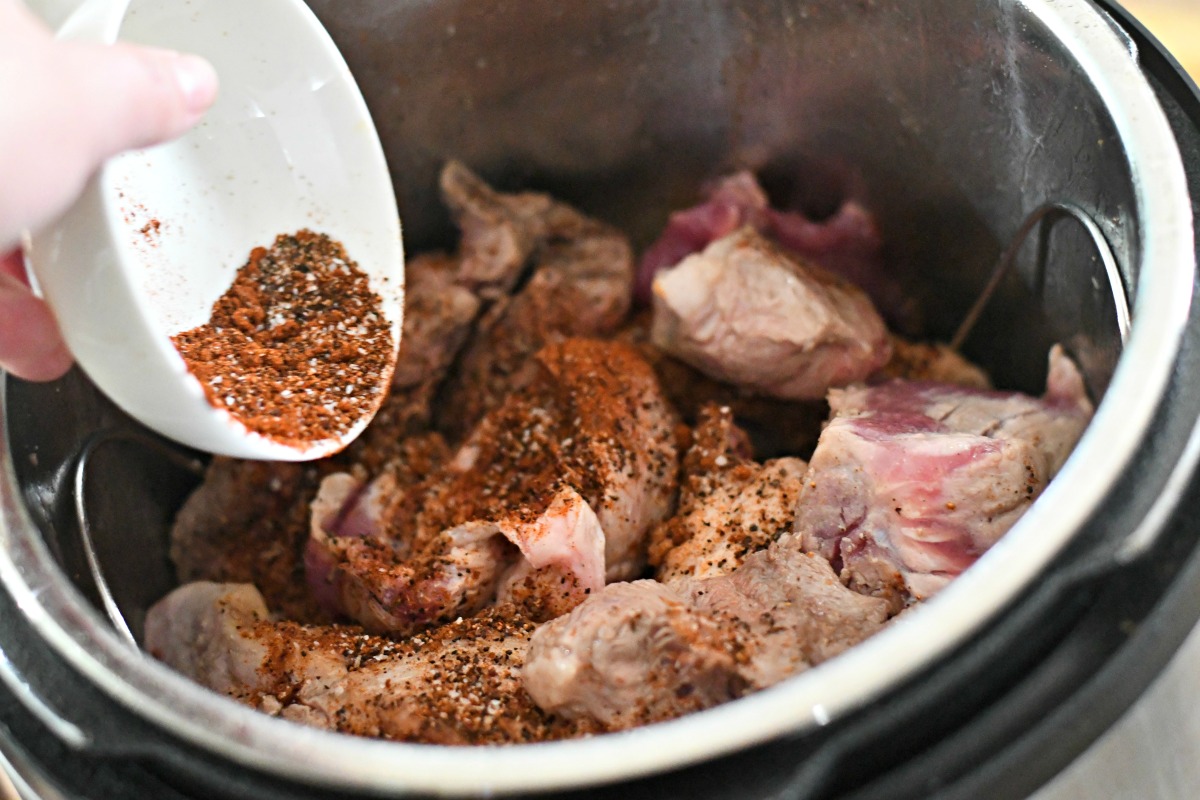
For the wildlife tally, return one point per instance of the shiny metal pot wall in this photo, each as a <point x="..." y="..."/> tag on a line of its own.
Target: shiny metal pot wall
<point x="950" y="120"/>
<point x="953" y="121"/>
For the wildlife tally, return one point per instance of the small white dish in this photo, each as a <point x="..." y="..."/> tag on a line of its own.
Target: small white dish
<point x="158" y="234"/>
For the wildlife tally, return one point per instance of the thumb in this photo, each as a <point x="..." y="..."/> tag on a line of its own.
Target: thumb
<point x="69" y="105"/>
<point x="128" y="96"/>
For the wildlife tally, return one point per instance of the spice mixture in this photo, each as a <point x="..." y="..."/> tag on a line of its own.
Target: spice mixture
<point x="298" y="348"/>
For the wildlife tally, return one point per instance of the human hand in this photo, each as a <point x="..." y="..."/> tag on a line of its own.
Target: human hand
<point x="66" y="107"/>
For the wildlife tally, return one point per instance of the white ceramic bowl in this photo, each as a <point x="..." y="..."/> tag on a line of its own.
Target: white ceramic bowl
<point x="158" y="234"/>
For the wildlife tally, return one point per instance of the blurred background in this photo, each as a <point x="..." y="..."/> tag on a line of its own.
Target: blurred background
<point x="1176" y="23"/>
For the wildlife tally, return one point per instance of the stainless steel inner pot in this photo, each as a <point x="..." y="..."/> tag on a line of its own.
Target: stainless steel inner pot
<point x="952" y="120"/>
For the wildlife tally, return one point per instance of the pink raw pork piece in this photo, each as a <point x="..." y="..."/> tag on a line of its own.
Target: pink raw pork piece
<point x="644" y="651"/>
<point x="848" y="244"/>
<point x="746" y="312"/>
<point x="911" y="482"/>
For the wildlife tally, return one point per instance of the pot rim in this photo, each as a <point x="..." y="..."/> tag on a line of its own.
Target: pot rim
<point x="77" y="632"/>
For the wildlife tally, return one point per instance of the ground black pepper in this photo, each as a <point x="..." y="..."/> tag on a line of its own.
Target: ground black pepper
<point x="298" y="348"/>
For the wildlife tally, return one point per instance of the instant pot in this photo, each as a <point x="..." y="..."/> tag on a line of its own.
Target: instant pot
<point x="1052" y="137"/>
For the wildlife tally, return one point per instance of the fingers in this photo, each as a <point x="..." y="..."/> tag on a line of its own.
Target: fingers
<point x="31" y="346"/>
<point x="13" y="265"/>
<point x="67" y="106"/>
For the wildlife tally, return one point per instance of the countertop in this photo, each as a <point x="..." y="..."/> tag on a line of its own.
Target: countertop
<point x="1176" y="23"/>
<point x="1153" y="752"/>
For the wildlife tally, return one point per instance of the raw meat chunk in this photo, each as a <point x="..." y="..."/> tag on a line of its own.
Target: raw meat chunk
<point x="459" y="684"/>
<point x="247" y="523"/>
<point x="745" y="312"/>
<point x="729" y="506"/>
<point x="911" y="482"/>
<point x="551" y="272"/>
<point x="644" y="652"/>
<point x="439" y="315"/>
<point x="795" y="610"/>
<point x="775" y="427"/>
<point x="848" y="244"/>
<point x="633" y="654"/>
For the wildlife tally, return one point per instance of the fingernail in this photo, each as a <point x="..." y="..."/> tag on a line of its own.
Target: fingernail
<point x="197" y="80"/>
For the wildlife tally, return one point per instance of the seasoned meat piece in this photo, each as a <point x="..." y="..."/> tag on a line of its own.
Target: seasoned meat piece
<point x="619" y="449"/>
<point x="458" y="684"/>
<point x="912" y="482"/>
<point x="580" y="275"/>
<point x="745" y="312"/>
<point x="594" y="420"/>
<point x="644" y="651"/>
<point x="848" y="244"/>
<point x="933" y="362"/>
<point x="403" y="586"/>
<point x="438" y="318"/>
<point x="729" y="506"/>
<point x="555" y="491"/>
<point x="500" y="232"/>
<point x="195" y="628"/>
<point x="247" y="523"/>
<point x="438" y="314"/>
<point x="775" y="427"/>
<point x="795" y="610"/>
<point x="563" y="557"/>
<point x="633" y="654"/>
<point x="354" y="509"/>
